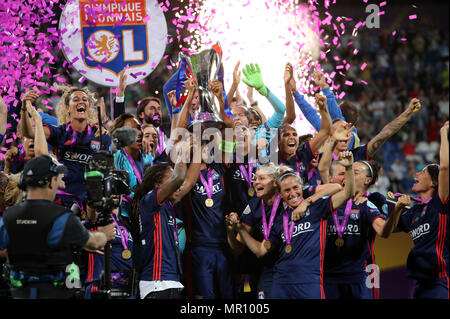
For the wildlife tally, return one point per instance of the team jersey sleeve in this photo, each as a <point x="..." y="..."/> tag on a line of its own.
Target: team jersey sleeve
<point x="247" y="216"/>
<point x="322" y="208"/>
<point x="305" y="153"/>
<point x="309" y="191"/>
<point x="372" y="212"/>
<point x="56" y="134"/>
<point x="150" y="203"/>
<point x="361" y="153"/>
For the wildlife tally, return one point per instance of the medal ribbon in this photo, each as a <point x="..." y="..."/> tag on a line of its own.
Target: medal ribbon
<point x="175" y="230"/>
<point x="311" y="173"/>
<point x="136" y="170"/>
<point x="123" y="235"/>
<point x="417" y="199"/>
<point x="267" y="228"/>
<point x="208" y="185"/>
<point x="299" y="165"/>
<point x="340" y="228"/>
<point x="247" y="176"/>
<point x="74" y="133"/>
<point x="75" y="198"/>
<point x="288" y="229"/>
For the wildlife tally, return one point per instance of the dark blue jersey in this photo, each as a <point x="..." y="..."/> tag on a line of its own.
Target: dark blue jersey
<point x="208" y="222"/>
<point x="300" y="161"/>
<point x="252" y="216"/>
<point x="314" y="177"/>
<point x="118" y="244"/>
<point x="428" y="225"/>
<point x="238" y="186"/>
<point x="347" y="264"/>
<point x="304" y="264"/>
<point x="159" y="248"/>
<point x="360" y="153"/>
<point x="75" y="155"/>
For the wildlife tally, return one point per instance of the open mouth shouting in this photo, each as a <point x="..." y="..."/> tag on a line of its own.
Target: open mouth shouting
<point x="81" y="109"/>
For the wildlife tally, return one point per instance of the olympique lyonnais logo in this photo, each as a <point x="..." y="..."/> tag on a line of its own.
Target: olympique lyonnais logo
<point x="102" y="37"/>
<point x="101" y="34"/>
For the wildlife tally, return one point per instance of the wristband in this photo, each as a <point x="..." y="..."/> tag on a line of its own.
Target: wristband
<point x="120" y="99"/>
<point x="264" y="91"/>
<point x="227" y="146"/>
<point x="254" y="103"/>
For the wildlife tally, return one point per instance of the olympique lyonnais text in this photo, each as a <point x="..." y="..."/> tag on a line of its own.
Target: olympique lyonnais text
<point x="107" y="13"/>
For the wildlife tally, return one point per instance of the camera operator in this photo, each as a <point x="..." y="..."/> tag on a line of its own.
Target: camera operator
<point x="40" y="236"/>
<point x="122" y="274"/>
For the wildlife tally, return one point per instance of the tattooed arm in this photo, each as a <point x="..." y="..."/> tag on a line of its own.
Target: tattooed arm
<point x="393" y="127"/>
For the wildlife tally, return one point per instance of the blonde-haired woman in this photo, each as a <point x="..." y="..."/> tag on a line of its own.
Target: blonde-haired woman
<point x="257" y="220"/>
<point x="74" y="141"/>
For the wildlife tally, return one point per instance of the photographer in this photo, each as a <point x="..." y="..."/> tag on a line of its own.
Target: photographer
<point x="40" y="235"/>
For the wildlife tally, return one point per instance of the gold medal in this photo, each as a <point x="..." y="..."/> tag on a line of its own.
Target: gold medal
<point x="288" y="249"/>
<point x="391" y="195"/>
<point x="209" y="202"/>
<point x="251" y="192"/>
<point x="126" y="254"/>
<point x="267" y="244"/>
<point x="339" y="242"/>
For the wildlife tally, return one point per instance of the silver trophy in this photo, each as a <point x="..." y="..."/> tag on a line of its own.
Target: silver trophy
<point x="204" y="67"/>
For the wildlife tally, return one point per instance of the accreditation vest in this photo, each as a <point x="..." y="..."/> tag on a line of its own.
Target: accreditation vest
<point x="28" y="225"/>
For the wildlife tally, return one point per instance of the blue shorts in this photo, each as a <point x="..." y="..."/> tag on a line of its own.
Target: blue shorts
<point x="438" y="289"/>
<point x="211" y="273"/>
<point x="297" y="291"/>
<point x="347" y="291"/>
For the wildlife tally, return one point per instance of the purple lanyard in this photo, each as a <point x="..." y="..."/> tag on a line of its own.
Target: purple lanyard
<point x="311" y="173"/>
<point x="136" y="171"/>
<point x="208" y="185"/>
<point x="75" y="198"/>
<point x="160" y="147"/>
<point x="267" y="228"/>
<point x="299" y="165"/>
<point x="288" y="230"/>
<point x="340" y="228"/>
<point x="335" y="156"/>
<point x="175" y="232"/>
<point x="123" y="235"/>
<point x="247" y="176"/>
<point x="417" y="199"/>
<point x="74" y="133"/>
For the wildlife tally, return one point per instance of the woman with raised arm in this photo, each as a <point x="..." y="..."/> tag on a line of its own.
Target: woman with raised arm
<point x="351" y="233"/>
<point x="298" y="158"/>
<point x="74" y="141"/>
<point x="154" y="226"/>
<point x="427" y="222"/>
